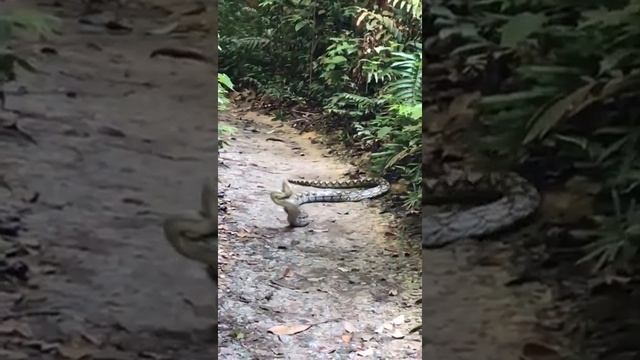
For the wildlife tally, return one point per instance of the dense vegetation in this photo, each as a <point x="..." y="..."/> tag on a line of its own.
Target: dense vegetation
<point x="360" y="62"/>
<point x="556" y="82"/>
<point x="552" y="90"/>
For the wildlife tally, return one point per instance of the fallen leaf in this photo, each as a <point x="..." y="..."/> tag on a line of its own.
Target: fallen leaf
<point x="237" y="334"/>
<point x="42" y="346"/>
<point x="346" y="338"/>
<point x="13" y="327"/>
<point x="536" y="351"/>
<point x="192" y="10"/>
<point x="113" y="354"/>
<point x="163" y="30"/>
<point x="184" y="53"/>
<point x="288" y="329"/>
<point x="398" y="320"/>
<point x="348" y="327"/>
<point x="368" y="352"/>
<point x="91" y="339"/>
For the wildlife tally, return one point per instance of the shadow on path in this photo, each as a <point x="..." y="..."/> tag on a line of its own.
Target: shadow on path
<point x="122" y="140"/>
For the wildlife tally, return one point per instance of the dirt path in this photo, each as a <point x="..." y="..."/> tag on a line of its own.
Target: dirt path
<point x="349" y="274"/>
<point x="121" y="141"/>
<point x="470" y="311"/>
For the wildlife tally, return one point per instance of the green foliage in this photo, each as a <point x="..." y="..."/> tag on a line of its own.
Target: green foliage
<point x="361" y="63"/>
<point x="15" y="24"/>
<point x="569" y="73"/>
<point x="618" y="239"/>
<point x="224" y="85"/>
<point x="224" y="132"/>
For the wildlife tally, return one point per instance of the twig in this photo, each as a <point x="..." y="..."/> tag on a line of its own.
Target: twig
<point x="274" y="139"/>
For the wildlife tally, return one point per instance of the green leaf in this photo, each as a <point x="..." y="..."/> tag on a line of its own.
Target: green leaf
<point x="300" y="25"/>
<point x="516" y="97"/>
<point x="384" y="131"/>
<point x="225" y="80"/>
<point x="520" y="27"/>
<point x="464" y="30"/>
<point x="553" y="113"/>
<point x="612" y="60"/>
<point x="335" y="60"/>
<point x="606" y="17"/>
<point x="441" y="11"/>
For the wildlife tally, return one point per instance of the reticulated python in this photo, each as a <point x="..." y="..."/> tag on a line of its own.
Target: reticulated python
<point x="517" y="200"/>
<point x="291" y="202"/>
<point x="195" y="236"/>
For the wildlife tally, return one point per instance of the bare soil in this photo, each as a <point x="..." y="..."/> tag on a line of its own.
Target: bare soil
<point x="339" y="284"/>
<point x="120" y="140"/>
<point x="351" y="276"/>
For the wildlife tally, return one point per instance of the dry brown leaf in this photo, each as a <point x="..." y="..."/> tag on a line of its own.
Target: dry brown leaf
<point x="286" y="273"/>
<point x="243" y="234"/>
<point x="346" y="338"/>
<point x="288" y="329"/>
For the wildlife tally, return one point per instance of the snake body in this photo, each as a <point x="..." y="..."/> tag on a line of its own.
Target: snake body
<point x="195" y="236"/>
<point x="517" y="200"/>
<point x="291" y="202"/>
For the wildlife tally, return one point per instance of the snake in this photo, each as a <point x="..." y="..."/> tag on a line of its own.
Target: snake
<point x="291" y="202"/>
<point x="517" y="200"/>
<point x="195" y="235"/>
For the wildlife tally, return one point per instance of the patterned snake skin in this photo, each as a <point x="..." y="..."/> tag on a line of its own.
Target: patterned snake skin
<point x="195" y="235"/>
<point x="291" y="202"/>
<point x="518" y="200"/>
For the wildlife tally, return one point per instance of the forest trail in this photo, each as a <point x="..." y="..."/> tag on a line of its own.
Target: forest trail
<point x="472" y="312"/>
<point x="121" y="141"/>
<point x="350" y="276"/>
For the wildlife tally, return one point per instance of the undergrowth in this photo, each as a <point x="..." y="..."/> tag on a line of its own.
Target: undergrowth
<point x="557" y="83"/>
<point x="19" y="24"/>
<point x="361" y="62"/>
